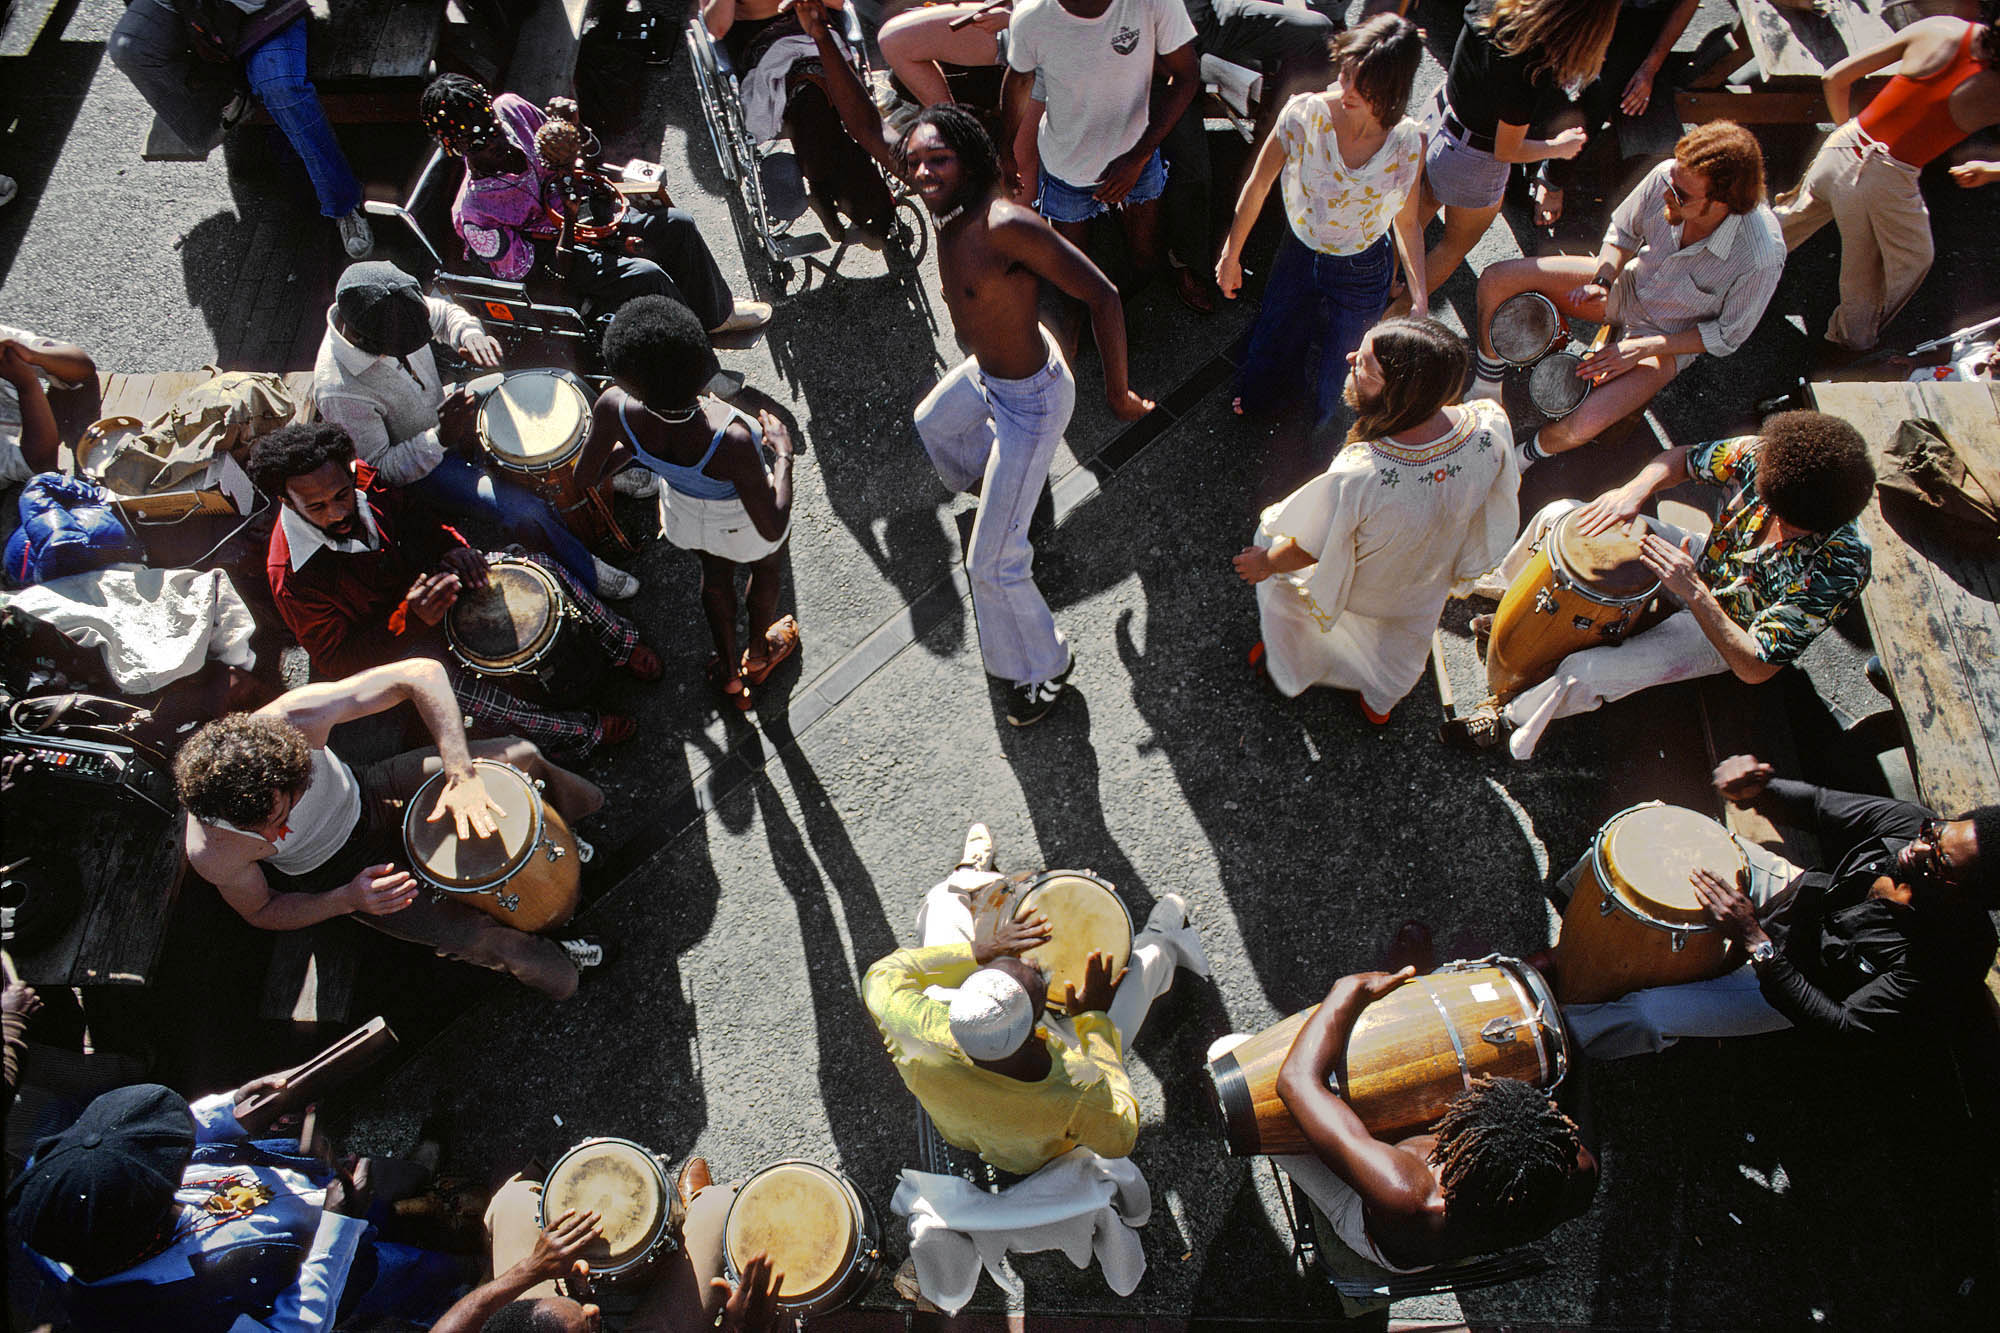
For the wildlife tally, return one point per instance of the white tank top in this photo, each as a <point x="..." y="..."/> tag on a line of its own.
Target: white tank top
<point x="319" y="825"/>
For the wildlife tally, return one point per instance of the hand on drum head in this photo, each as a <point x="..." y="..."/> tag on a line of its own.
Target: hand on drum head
<point x="470" y="806"/>
<point x="559" y="1244"/>
<point x="469" y="565"/>
<point x="481" y="349"/>
<point x="380" y="890"/>
<point x="1673" y="566"/>
<point x="752" y="1306"/>
<point x="1588" y="301"/>
<point x="1612" y="360"/>
<point x="1742" y="777"/>
<point x="433" y="595"/>
<point x="1616" y="508"/>
<point x="1010" y="938"/>
<point x="1098" y="986"/>
<point x="1734" y="913"/>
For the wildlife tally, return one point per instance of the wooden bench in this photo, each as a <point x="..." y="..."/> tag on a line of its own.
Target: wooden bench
<point x="130" y="871"/>
<point x="23" y="24"/>
<point x="1792" y="48"/>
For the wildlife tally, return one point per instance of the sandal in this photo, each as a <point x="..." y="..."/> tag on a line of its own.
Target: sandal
<point x="738" y="698"/>
<point x="644" y="664"/>
<point x="780" y="642"/>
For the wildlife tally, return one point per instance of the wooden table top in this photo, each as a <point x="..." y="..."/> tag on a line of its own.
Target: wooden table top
<point x="1933" y="609"/>
<point x="375" y="40"/>
<point x="1797" y="43"/>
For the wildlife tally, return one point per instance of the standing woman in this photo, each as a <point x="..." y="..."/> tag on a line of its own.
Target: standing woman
<point x="719" y="500"/>
<point x="1508" y="54"/>
<point x="1351" y="162"/>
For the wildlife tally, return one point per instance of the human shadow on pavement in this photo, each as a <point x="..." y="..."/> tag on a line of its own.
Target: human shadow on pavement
<point x="35" y="125"/>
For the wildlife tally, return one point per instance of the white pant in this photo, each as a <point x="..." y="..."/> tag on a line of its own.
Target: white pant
<point x="1675" y="649"/>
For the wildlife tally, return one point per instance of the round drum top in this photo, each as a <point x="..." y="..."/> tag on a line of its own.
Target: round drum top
<point x="800" y="1215"/>
<point x="1524" y="326"/>
<point x="619" y="1181"/>
<point x="476" y="862"/>
<point x="1608" y="563"/>
<point x="1553" y="385"/>
<point x="537" y="417"/>
<point x="1648" y="854"/>
<point x="1084" y="915"/>
<point x="512" y="617"/>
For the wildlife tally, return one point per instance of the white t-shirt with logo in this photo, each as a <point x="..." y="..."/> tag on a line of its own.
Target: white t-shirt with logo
<point x="1097" y="75"/>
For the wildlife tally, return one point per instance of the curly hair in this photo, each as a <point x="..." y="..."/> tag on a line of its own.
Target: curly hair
<point x="1725" y="155"/>
<point x="1565" y="39"/>
<point x="527" y="1315"/>
<point x="1987" y="43"/>
<point x="452" y="108"/>
<point x="1379" y="59"/>
<point x="959" y="128"/>
<point x="233" y="768"/>
<point x="1423" y="366"/>
<point x="658" y="348"/>
<point x="294" y="451"/>
<point x="1506" y="1158"/>
<point x="1813" y="470"/>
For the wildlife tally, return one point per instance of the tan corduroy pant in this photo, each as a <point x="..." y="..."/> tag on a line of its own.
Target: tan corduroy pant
<point x="1885" y="230"/>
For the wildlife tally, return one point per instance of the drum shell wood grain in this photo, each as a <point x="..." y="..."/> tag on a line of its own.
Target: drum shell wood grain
<point x="545" y="889"/>
<point x="585" y="510"/>
<point x="1401" y="1069"/>
<point x="1547" y="614"/>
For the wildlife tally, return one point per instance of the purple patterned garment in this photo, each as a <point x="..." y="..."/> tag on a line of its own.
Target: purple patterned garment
<point x="498" y="217"/>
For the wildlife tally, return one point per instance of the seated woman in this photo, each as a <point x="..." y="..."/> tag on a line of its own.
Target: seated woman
<point x="784" y="95"/>
<point x="719" y="501"/>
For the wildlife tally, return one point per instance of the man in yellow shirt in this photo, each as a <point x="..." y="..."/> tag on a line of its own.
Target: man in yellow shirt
<point x="962" y="1016"/>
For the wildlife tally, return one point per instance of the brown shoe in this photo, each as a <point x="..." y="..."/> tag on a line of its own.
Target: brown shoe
<point x="693" y="1179"/>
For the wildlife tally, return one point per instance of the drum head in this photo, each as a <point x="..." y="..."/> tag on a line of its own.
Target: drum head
<point x="1648" y="853"/>
<point x="1524" y="328"/>
<point x="1608" y="564"/>
<point x="510" y="620"/>
<point x="438" y="855"/>
<point x="621" y="1182"/>
<point x="801" y="1216"/>
<point x="535" y="419"/>
<point x="1554" y="388"/>
<point x="1085" y="915"/>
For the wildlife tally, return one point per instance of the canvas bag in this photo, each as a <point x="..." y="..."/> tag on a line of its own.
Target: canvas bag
<point x="1923" y="475"/>
<point x="222" y="415"/>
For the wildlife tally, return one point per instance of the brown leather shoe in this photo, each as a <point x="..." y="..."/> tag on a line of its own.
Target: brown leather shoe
<point x="693" y="1179"/>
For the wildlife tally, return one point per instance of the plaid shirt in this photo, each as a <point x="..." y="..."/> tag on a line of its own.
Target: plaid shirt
<point x="1783" y="595"/>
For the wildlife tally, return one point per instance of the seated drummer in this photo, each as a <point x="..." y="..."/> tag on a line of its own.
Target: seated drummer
<point x="376" y="379"/>
<point x="1502" y="1167"/>
<point x="363" y="575"/>
<point x="688" y="1292"/>
<point x="963" y="1018"/>
<point x="290" y="835"/>
<point x="1688" y="265"/>
<point x="1781" y="564"/>
<point x="1893" y="940"/>
<point x="502" y="215"/>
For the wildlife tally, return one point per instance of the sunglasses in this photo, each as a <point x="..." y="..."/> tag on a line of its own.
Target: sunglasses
<point x="1934" y="863"/>
<point x="1681" y="198"/>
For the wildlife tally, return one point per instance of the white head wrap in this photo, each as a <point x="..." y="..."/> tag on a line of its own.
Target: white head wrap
<point x="991" y="1016"/>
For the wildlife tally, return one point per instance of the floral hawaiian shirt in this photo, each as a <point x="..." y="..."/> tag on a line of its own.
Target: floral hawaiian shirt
<point x="1783" y="595"/>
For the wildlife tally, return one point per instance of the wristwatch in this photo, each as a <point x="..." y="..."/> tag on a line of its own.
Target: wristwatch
<point x="1762" y="952"/>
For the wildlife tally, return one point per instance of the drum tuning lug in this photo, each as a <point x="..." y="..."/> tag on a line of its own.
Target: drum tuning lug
<point x="1499" y="1032"/>
<point x="555" y="852"/>
<point x="1545" y="601"/>
<point x="1605" y="907"/>
<point x="1680" y="940"/>
<point x="1582" y="624"/>
<point x="510" y="901"/>
<point x="540" y="785"/>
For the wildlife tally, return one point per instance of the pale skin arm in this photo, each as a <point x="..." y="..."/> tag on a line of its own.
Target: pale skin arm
<point x="378" y="890"/>
<point x="1838" y="82"/>
<point x="1512" y="144"/>
<point x="1021" y="155"/>
<point x="1408" y="229"/>
<point x="1254" y="564"/>
<point x="1971" y="175"/>
<point x="1249" y="203"/>
<point x="718" y="16"/>
<point x="1638" y="94"/>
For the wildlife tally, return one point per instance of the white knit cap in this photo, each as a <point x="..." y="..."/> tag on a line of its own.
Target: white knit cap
<point x="991" y="1016"/>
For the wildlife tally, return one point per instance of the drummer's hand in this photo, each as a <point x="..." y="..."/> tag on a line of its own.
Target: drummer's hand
<point x="1010" y="938"/>
<point x="432" y="595"/>
<point x="812" y="18"/>
<point x="559" y="1244"/>
<point x="1616" y="508"/>
<point x="380" y="890"/>
<point x="1741" y="778"/>
<point x="752" y="1306"/>
<point x="1614" y="359"/>
<point x="1367" y="987"/>
<point x="1098" y="986"/>
<point x="1733" y="912"/>
<point x="468" y="564"/>
<point x="563" y="108"/>
<point x="776" y="436"/>
<point x="471" y="809"/>
<point x="481" y="348"/>
<point x="1588" y="301"/>
<point x="1671" y="565"/>
<point x="1253" y="564"/>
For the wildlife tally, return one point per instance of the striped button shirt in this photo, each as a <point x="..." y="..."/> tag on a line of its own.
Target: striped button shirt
<point x="1719" y="285"/>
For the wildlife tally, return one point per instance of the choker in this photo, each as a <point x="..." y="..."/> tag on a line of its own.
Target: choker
<point x="679" y="418"/>
<point x="946" y="219"/>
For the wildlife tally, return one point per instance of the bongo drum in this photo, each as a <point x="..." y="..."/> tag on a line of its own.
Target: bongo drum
<point x="1554" y="387"/>
<point x="820" y="1234"/>
<point x="1526" y="327"/>
<point x="526" y="875"/>
<point x="533" y="424"/>
<point x="1085" y="915"/>
<point x="1634" y="921"/>
<point x="628" y="1187"/>
<point x="1411" y="1052"/>
<point x="511" y="626"/>
<point x="1575" y="593"/>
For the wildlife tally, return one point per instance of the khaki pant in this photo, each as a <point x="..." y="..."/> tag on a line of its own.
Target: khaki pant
<point x="1885" y="230"/>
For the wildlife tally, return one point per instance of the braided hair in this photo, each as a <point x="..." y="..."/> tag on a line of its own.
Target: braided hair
<point x="454" y="109"/>
<point x="959" y="128"/>
<point x="1506" y="1158"/>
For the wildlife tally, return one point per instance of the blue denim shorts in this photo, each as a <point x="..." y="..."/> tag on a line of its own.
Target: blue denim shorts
<point x="1060" y="201"/>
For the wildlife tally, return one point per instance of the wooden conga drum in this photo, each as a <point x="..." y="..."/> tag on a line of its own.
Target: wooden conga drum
<point x="1411" y="1053"/>
<point x="533" y="424"/>
<point x="1576" y="593"/>
<point x="1085" y="916"/>
<point x="1634" y="921"/>
<point x="527" y="875"/>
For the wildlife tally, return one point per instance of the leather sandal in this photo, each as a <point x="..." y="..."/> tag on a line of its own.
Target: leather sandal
<point x="780" y="642"/>
<point x="720" y="677"/>
<point x="644" y="664"/>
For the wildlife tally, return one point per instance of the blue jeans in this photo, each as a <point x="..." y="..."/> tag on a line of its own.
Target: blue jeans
<point x="1060" y="201"/>
<point x="462" y="490"/>
<point x="277" y="72"/>
<point x="1334" y="298"/>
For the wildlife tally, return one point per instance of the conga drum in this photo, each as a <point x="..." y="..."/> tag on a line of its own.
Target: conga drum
<point x="628" y="1187"/>
<point x="1085" y="916"/>
<point x="1577" y="592"/>
<point x="1525" y="328"/>
<point x="1411" y="1053"/>
<point x="533" y="424"/>
<point x="527" y="875"/>
<point x="1634" y="921"/>
<point x="521" y="630"/>
<point x="819" y="1231"/>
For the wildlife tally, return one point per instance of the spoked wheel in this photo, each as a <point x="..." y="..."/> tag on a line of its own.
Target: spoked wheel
<point x="784" y="277"/>
<point x="909" y="233"/>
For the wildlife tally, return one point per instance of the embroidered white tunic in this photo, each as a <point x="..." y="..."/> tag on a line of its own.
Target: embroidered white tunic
<point x="1395" y="527"/>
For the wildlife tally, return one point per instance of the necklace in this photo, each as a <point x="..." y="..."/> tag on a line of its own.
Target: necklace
<point x="679" y="418"/>
<point x="946" y="219"/>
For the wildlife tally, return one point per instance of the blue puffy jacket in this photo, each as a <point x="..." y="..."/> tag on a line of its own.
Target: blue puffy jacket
<point x="66" y="528"/>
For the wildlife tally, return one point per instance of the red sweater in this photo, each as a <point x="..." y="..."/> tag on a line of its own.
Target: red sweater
<point x="346" y="609"/>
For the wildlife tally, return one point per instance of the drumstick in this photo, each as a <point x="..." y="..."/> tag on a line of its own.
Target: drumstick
<point x="340" y="1061"/>
<point x="1597" y="345"/>
<point x="967" y="20"/>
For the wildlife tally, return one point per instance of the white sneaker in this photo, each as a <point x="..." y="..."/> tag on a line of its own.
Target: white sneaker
<point x="8" y="189"/>
<point x="1523" y="457"/>
<point x="1169" y="918"/>
<point x="1484" y="389"/>
<point x="978" y="848"/>
<point x="356" y="236"/>
<point x="614" y="584"/>
<point x="641" y="482"/>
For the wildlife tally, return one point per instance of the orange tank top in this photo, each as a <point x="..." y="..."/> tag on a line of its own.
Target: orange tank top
<point x="1911" y="117"/>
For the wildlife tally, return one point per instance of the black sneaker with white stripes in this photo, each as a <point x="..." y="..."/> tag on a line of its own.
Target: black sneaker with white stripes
<point x="1029" y="704"/>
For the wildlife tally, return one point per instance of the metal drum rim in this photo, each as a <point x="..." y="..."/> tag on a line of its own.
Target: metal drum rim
<point x="815" y="1302"/>
<point x="1554" y="414"/>
<point x="1131" y="926"/>
<point x="1557" y="332"/>
<point x="1613" y="894"/>
<point x="531" y="656"/>
<point x="570" y="452"/>
<point x="1567" y="579"/>
<point x="414" y="813"/>
<point x="663" y="1228"/>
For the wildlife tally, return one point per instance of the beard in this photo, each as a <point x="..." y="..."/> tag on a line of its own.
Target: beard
<point x="346" y="529"/>
<point x="1352" y="396"/>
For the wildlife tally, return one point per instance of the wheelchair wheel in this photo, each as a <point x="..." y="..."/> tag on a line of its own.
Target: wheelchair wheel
<point x="785" y="278"/>
<point x="909" y="233"/>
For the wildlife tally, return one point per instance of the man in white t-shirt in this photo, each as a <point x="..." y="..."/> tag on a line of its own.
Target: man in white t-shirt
<point x="1082" y="126"/>
<point x="28" y="431"/>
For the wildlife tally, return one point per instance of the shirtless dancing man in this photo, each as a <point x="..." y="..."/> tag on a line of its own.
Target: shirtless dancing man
<point x="991" y="426"/>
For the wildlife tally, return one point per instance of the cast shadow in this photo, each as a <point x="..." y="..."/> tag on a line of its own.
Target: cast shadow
<point x="35" y="124"/>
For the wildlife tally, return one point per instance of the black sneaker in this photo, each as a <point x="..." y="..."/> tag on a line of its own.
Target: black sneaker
<point x="1029" y="704"/>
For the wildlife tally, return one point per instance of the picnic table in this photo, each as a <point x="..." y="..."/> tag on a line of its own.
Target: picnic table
<point x="129" y="874"/>
<point x="1792" y="48"/>
<point x="1932" y="608"/>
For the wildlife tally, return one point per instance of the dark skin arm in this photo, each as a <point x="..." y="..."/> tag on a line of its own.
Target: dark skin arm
<point x="857" y="110"/>
<point x="555" y="1255"/>
<point x="1183" y="78"/>
<point x="1036" y="246"/>
<point x="19" y="362"/>
<point x="766" y="498"/>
